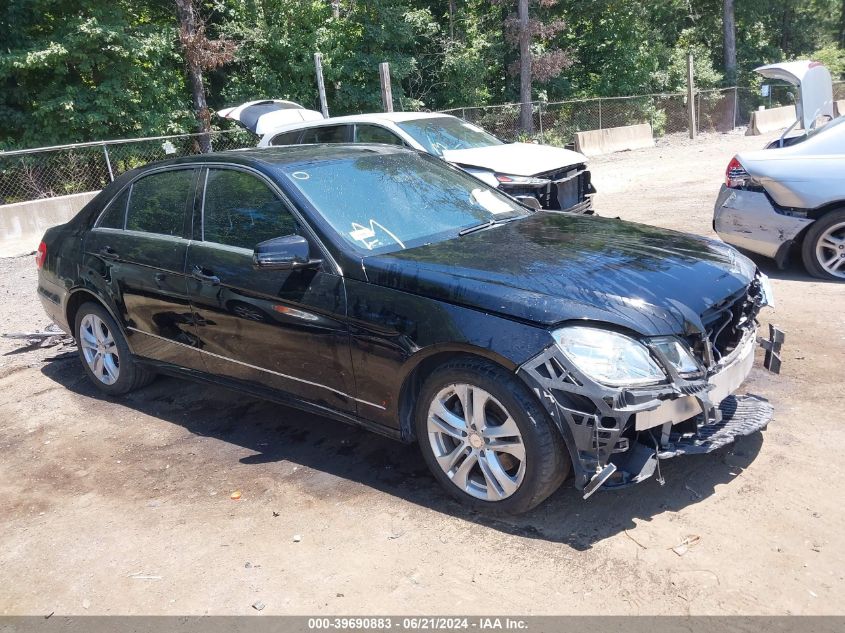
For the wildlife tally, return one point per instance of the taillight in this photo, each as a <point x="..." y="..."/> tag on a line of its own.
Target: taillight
<point x="41" y="254"/>
<point x="735" y="175"/>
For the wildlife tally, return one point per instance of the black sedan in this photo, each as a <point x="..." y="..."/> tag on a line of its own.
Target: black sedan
<point x="385" y="288"/>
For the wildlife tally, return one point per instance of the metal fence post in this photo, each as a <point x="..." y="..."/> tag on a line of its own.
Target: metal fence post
<point x="690" y="97"/>
<point x="736" y="99"/>
<point x="108" y="161"/>
<point x="600" y="113"/>
<point x="540" y="116"/>
<point x="651" y="113"/>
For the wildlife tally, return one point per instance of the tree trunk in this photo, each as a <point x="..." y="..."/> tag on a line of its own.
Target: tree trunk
<point x="526" y="120"/>
<point x="842" y="27"/>
<point x="187" y="15"/>
<point x="729" y="23"/>
<point x="452" y="10"/>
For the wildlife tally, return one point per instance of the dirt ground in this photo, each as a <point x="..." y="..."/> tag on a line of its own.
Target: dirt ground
<point x="123" y="506"/>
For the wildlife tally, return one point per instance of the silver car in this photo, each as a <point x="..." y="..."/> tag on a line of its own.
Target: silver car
<point x="777" y="199"/>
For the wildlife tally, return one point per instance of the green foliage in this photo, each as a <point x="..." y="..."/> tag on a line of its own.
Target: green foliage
<point x="78" y="70"/>
<point x="73" y="71"/>
<point x="833" y="57"/>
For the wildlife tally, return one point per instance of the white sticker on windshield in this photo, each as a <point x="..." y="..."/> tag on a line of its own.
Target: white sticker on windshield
<point x="490" y="201"/>
<point x="301" y="175"/>
<point x="362" y="233"/>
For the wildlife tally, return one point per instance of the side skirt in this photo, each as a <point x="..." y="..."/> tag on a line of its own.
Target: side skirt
<point x="273" y="396"/>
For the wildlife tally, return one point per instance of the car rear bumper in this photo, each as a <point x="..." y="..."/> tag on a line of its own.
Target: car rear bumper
<point x="53" y="298"/>
<point x="748" y="220"/>
<point x="626" y="431"/>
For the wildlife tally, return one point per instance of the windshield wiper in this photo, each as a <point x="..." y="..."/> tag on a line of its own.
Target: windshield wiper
<point x="485" y="225"/>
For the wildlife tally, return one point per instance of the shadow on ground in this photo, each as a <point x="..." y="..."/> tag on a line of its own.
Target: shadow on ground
<point x="793" y="271"/>
<point x="277" y="433"/>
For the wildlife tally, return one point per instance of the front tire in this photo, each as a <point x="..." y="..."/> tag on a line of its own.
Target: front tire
<point x="486" y="439"/>
<point x="823" y="250"/>
<point x="105" y="354"/>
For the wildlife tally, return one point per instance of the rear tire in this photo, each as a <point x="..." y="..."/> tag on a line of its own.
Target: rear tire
<point x="105" y="354"/>
<point x="823" y="250"/>
<point x="487" y="440"/>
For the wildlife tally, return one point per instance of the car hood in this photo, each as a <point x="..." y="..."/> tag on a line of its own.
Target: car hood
<point x="549" y="268"/>
<point x="519" y="159"/>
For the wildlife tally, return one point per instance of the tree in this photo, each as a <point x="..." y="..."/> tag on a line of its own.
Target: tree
<point x="841" y="35"/>
<point x="729" y="26"/>
<point x="83" y="70"/>
<point x="538" y="58"/>
<point x="201" y="53"/>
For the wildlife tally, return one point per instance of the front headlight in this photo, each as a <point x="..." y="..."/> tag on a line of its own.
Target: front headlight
<point x="530" y="181"/>
<point x="677" y="355"/>
<point x="607" y="357"/>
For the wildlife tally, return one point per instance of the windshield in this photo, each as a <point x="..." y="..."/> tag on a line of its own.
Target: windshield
<point x="444" y="133"/>
<point x="384" y="202"/>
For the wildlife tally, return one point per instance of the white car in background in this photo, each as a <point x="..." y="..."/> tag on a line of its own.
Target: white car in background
<point x="556" y="177"/>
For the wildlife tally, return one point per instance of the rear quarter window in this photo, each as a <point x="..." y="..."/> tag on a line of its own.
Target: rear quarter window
<point x="286" y="138"/>
<point x="114" y="216"/>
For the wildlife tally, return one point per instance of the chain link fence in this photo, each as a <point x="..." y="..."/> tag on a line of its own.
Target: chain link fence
<point x="555" y="123"/>
<point x="67" y="169"/>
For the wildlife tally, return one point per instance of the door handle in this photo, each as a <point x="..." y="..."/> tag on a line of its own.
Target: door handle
<point x="107" y="252"/>
<point x="199" y="274"/>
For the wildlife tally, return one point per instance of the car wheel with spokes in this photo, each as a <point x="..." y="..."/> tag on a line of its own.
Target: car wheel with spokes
<point x="104" y="353"/>
<point x="823" y="250"/>
<point x="486" y="439"/>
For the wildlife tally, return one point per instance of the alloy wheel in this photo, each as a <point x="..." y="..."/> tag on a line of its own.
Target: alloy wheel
<point x="476" y="442"/>
<point x="99" y="349"/>
<point x="830" y="250"/>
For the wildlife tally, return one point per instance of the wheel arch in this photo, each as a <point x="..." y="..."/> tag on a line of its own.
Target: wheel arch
<point x="79" y="296"/>
<point x="817" y="214"/>
<point x="422" y="364"/>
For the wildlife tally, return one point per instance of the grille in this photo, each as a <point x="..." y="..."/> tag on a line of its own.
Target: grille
<point x="727" y="322"/>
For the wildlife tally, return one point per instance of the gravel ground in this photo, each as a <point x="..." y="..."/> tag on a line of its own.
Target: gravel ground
<point x="123" y="506"/>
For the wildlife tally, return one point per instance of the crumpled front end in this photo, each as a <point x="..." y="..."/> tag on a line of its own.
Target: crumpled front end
<point x="618" y="435"/>
<point x="568" y="189"/>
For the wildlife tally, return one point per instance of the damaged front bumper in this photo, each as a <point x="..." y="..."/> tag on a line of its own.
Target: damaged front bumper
<point x="616" y="436"/>
<point x="568" y="189"/>
<point x="748" y="220"/>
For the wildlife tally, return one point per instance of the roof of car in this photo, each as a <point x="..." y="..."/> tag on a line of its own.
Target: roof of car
<point x="286" y="154"/>
<point x="370" y="117"/>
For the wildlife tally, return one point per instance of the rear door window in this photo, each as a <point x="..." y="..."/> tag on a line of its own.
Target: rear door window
<point x="376" y="134"/>
<point x="327" y="134"/>
<point x="241" y="210"/>
<point x="159" y="201"/>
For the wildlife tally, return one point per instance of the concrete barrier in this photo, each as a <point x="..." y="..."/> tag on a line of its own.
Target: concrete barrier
<point x="23" y="224"/>
<point x="839" y="108"/>
<point x="614" y="139"/>
<point x="771" y="120"/>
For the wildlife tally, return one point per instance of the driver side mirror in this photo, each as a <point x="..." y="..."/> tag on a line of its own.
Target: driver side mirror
<point x="284" y="253"/>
